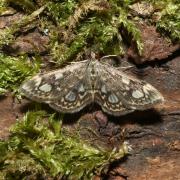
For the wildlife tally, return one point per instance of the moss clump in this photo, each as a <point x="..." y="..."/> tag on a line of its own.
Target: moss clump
<point x="38" y="146"/>
<point x="169" y="15"/>
<point x="3" y="6"/>
<point x="92" y="25"/>
<point x="8" y="34"/>
<point x="13" y="71"/>
<point x="26" y="5"/>
<point x="76" y="27"/>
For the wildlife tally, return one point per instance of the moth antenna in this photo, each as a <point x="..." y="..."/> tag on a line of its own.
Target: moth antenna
<point x="109" y="56"/>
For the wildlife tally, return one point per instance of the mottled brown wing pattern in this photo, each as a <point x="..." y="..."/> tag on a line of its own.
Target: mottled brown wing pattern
<point x="49" y="86"/>
<point x="66" y="90"/>
<point x="109" y="101"/>
<point x="119" y="93"/>
<point x="72" y="88"/>
<point x="74" y="99"/>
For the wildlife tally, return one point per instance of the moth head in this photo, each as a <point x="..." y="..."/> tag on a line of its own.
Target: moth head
<point x="93" y="55"/>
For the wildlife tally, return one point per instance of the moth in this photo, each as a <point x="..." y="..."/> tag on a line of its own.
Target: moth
<point x="70" y="89"/>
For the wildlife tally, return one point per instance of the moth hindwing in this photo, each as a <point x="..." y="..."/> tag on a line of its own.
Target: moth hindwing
<point x="72" y="88"/>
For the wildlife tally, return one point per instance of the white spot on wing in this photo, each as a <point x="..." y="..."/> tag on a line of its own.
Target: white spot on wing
<point x="45" y="88"/>
<point x="37" y="82"/>
<point x="81" y="88"/>
<point x="103" y="89"/>
<point x="58" y="89"/>
<point x="125" y="80"/>
<point x="137" y="94"/>
<point x="71" y="96"/>
<point x="58" y="76"/>
<point x="113" y="99"/>
<point x="127" y="88"/>
<point x="30" y="84"/>
<point x="26" y="86"/>
<point x="148" y="89"/>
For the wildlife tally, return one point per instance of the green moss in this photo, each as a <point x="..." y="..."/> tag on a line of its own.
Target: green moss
<point x="27" y="5"/>
<point x="94" y="25"/>
<point x="38" y="145"/>
<point x="169" y="22"/>
<point x="7" y="35"/>
<point x="3" y="6"/>
<point x="13" y="71"/>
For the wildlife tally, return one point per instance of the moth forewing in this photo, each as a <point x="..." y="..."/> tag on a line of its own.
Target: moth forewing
<point x="53" y="85"/>
<point x="132" y="92"/>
